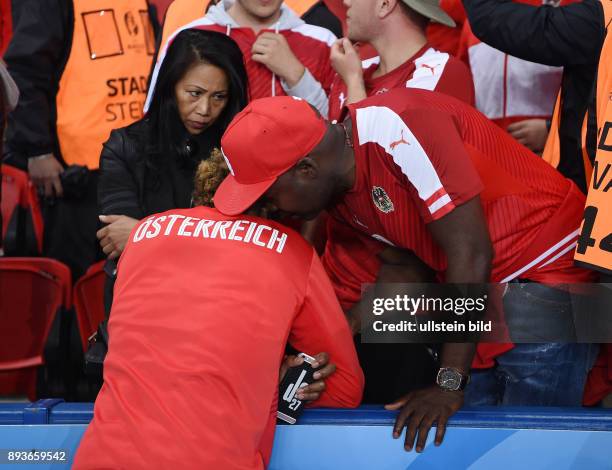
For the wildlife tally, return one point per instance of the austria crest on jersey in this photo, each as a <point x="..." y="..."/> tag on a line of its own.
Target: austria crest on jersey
<point x="381" y="200"/>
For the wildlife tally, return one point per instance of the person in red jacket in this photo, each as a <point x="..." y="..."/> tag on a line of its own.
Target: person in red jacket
<point x="425" y="172"/>
<point x="197" y="337"/>
<point x="283" y="55"/>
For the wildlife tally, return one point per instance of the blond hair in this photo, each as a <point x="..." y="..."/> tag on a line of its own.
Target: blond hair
<point x="208" y="177"/>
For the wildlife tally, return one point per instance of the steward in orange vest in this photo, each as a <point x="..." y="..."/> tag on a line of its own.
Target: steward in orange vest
<point x="82" y="68"/>
<point x="82" y="72"/>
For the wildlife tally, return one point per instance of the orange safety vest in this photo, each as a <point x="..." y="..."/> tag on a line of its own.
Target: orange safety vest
<point x="180" y="13"/>
<point x="103" y="86"/>
<point x="552" y="149"/>
<point x="594" y="248"/>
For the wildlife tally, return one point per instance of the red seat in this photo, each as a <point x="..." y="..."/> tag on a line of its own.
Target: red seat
<point x="18" y="194"/>
<point x="32" y="290"/>
<point x="89" y="301"/>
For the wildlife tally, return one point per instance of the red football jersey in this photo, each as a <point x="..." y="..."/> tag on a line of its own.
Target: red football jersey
<point x="420" y="154"/>
<point x="428" y="69"/>
<point x="203" y="307"/>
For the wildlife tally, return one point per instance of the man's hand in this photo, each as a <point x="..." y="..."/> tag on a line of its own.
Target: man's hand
<point x="420" y="409"/>
<point x="312" y="391"/>
<point x="44" y="172"/>
<point x="532" y="133"/>
<point x="115" y="235"/>
<point x="273" y="51"/>
<point x="346" y="62"/>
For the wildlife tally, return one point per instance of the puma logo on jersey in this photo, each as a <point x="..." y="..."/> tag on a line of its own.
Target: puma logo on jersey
<point x="430" y="67"/>
<point x="342" y="99"/>
<point x="400" y="141"/>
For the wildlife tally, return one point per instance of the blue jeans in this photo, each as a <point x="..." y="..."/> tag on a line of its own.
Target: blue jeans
<point x="535" y="374"/>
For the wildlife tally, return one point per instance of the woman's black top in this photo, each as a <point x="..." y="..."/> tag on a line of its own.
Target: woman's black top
<point x="137" y="180"/>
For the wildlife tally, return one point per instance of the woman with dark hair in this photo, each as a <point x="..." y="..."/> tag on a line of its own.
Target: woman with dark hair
<point x="149" y="166"/>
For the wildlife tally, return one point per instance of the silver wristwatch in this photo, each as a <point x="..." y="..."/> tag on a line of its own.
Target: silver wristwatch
<point x="451" y="379"/>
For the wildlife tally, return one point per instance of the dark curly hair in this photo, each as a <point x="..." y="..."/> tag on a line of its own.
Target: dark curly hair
<point x="211" y="172"/>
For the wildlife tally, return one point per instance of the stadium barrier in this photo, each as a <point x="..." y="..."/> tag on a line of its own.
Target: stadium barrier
<point x="477" y="438"/>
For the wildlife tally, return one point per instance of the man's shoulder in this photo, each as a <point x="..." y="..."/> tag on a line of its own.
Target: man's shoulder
<point x="398" y="120"/>
<point x="431" y="65"/>
<point x="402" y="100"/>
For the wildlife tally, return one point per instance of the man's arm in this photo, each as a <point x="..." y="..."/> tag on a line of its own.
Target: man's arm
<point x="345" y="60"/>
<point x="464" y="237"/>
<point x="273" y="51"/>
<point x="118" y="198"/>
<point x="320" y="325"/>
<point x="563" y="36"/>
<point x="34" y="57"/>
<point x="445" y="192"/>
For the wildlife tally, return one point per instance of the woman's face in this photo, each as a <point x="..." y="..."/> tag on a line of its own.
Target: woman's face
<point x="201" y="96"/>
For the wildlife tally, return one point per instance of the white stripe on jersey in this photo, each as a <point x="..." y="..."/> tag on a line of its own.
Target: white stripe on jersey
<point x="384" y="127"/>
<point x="570" y="247"/>
<point x="439" y="203"/>
<point x="162" y="55"/>
<point x="316" y="32"/>
<point x="555" y="248"/>
<point x="368" y="62"/>
<point x="429" y="69"/>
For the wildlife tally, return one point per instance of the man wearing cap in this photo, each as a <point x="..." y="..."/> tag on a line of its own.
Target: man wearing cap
<point x="427" y="173"/>
<point x="397" y="31"/>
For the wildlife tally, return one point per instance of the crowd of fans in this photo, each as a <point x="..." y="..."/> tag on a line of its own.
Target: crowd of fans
<point x="433" y="142"/>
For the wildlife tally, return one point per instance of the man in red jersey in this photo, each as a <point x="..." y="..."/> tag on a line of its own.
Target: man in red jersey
<point x="427" y="173"/>
<point x="197" y="338"/>
<point x="396" y="30"/>
<point x="283" y="55"/>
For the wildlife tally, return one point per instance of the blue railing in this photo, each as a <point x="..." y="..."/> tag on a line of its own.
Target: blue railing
<point x="477" y="438"/>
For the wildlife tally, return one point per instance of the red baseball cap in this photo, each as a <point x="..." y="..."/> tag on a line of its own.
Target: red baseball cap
<point x="261" y="143"/>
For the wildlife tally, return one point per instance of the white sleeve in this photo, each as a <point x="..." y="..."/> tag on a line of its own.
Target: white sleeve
<point x="310" y="89"/>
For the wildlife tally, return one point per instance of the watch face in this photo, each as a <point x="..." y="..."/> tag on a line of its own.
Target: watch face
<point x="449" y="379"/>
